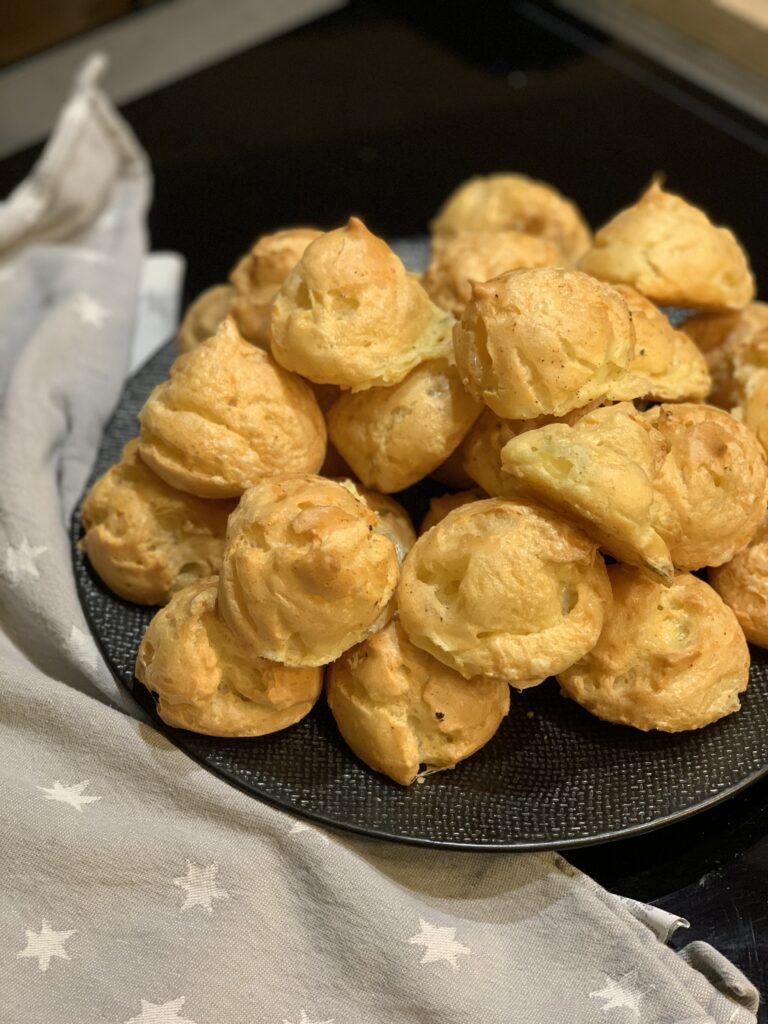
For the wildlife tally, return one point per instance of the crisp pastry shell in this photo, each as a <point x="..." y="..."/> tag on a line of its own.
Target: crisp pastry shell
<point x="227" y="418"/>
<point x="504" y="589"/>
<point x="669" y="658"/>
<point x="206" y="683"/>
<point x="146" y="539"/>
<point x="404" y="713"/>
<point x="306" y="573"/>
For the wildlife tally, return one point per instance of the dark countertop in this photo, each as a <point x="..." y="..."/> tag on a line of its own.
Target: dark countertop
<point x="381" y="109"/>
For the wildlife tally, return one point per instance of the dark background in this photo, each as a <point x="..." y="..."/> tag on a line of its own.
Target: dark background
<point x="380" y="110"/>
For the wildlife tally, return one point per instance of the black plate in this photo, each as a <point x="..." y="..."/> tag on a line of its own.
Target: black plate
<point x="552" y="777"/>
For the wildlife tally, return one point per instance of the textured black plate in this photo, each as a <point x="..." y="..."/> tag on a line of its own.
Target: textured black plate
<point x="553" y="776"/>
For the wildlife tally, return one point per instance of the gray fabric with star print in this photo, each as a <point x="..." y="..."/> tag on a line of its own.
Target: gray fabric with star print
<point x="139" y="889"/>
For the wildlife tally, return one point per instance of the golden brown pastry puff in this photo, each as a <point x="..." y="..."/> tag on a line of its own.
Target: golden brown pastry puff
<point x="711" y="486"/>
<point x="257" y="277"/>
<point x="504" y="589"/>
<point x="743" y="585"/>
<point x="306" y="573"/>
<point x="671" y="252"/>
<point x="440" y="507"/>
<point x="481" y="448"/>
<point x="146" y="539"/>
<point x="205" y="682"/>
<point x="404" y="713"/>
<point x="753" y="411"/>
<point x="669" y="658"/>
<point x="394" y="521"/>
<point x="543" y="342"/>
<point x="228" y="417"/>
<point x="668" y="365"/>
<point x="350" y="314"/>
<point x="732" y="344"/>
<point x="514" y="202"/>
<point x="479" y="257"/>
<point x="600" y="472"/>
<point x="203" y="316"/>
<point x="392" y="437"/>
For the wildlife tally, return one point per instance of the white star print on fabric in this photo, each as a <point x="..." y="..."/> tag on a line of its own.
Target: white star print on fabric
<point x="20" y="560"/>
<point x="620" y="994"/>
<point x="72" y="795"/>
<point x="199" y="885"/>
<point x="82" y="647"/>
<point x="161" y="1013"/>
<point x="439" y="944"/>
<point x="46" y="944"/>
<point x="299" y="827"/>
<point x="304" y="1019"/>
<point x="90" y="310"/>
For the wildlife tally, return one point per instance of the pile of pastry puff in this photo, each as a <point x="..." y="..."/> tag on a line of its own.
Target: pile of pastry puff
<point x="531" y="371"/>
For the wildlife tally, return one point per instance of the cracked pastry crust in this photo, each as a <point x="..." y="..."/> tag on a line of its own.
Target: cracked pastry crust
<point x="440" y="507"/>
<point x="480" y="256"/>
<point x="504" y="589"/>
<point x="350" y="314"/>
<point x="481" y="448"/>
<point x="734" y="344"/>
<point x="207" y="683"/>
<point x="404" y="714"/>
<point x="514" y="202"/>
<point x="394" y="521"/>
<point x="393" y="437"/>
<point x="668" y="366"/>
<point x="146" y="539"/>
<point x="306" y="573"/>
<point x="257" y="277"/>
<point x="743" y="584"/>
<point x="711" y="486"/>
<point x="600" y="473"/>
<point x="669" y="658"/>
<point x="543" y="342"/>
<point x="228" y="417"/>
<point x="203" y="316"/>
<point x="671" y="252"/>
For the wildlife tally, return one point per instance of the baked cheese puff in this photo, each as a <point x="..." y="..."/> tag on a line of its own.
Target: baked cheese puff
<point x="203" y="316"/>
<point x="144" y="538"/>
<point x="600" y="472"/>
<point x="668" y="365"/>
<point x="440" y="507"/>
<point x="392" y="437"/>
<point x="204" y="680"/>
<point x="478" y="257"/>
<point x="257" y="277"/>
<point x="394" y="521"/>
<point x="404" y="713"/>
<point x="733" y="344"/>
<point x="743" y="585"/>
<point x="228" y="417"/>
<point x="753" y="411"/>
<point x="481" y="448"/>
<point x="306" y="573"/>
<point x="671" y="252"/>
<point x="711" y="486"/>
<point x="351" y="314"/>
<point x="504" y="589"/>
<point x="514" y="202"/>
<point x="669" y="658"/>
<point x="542" y="342"/>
